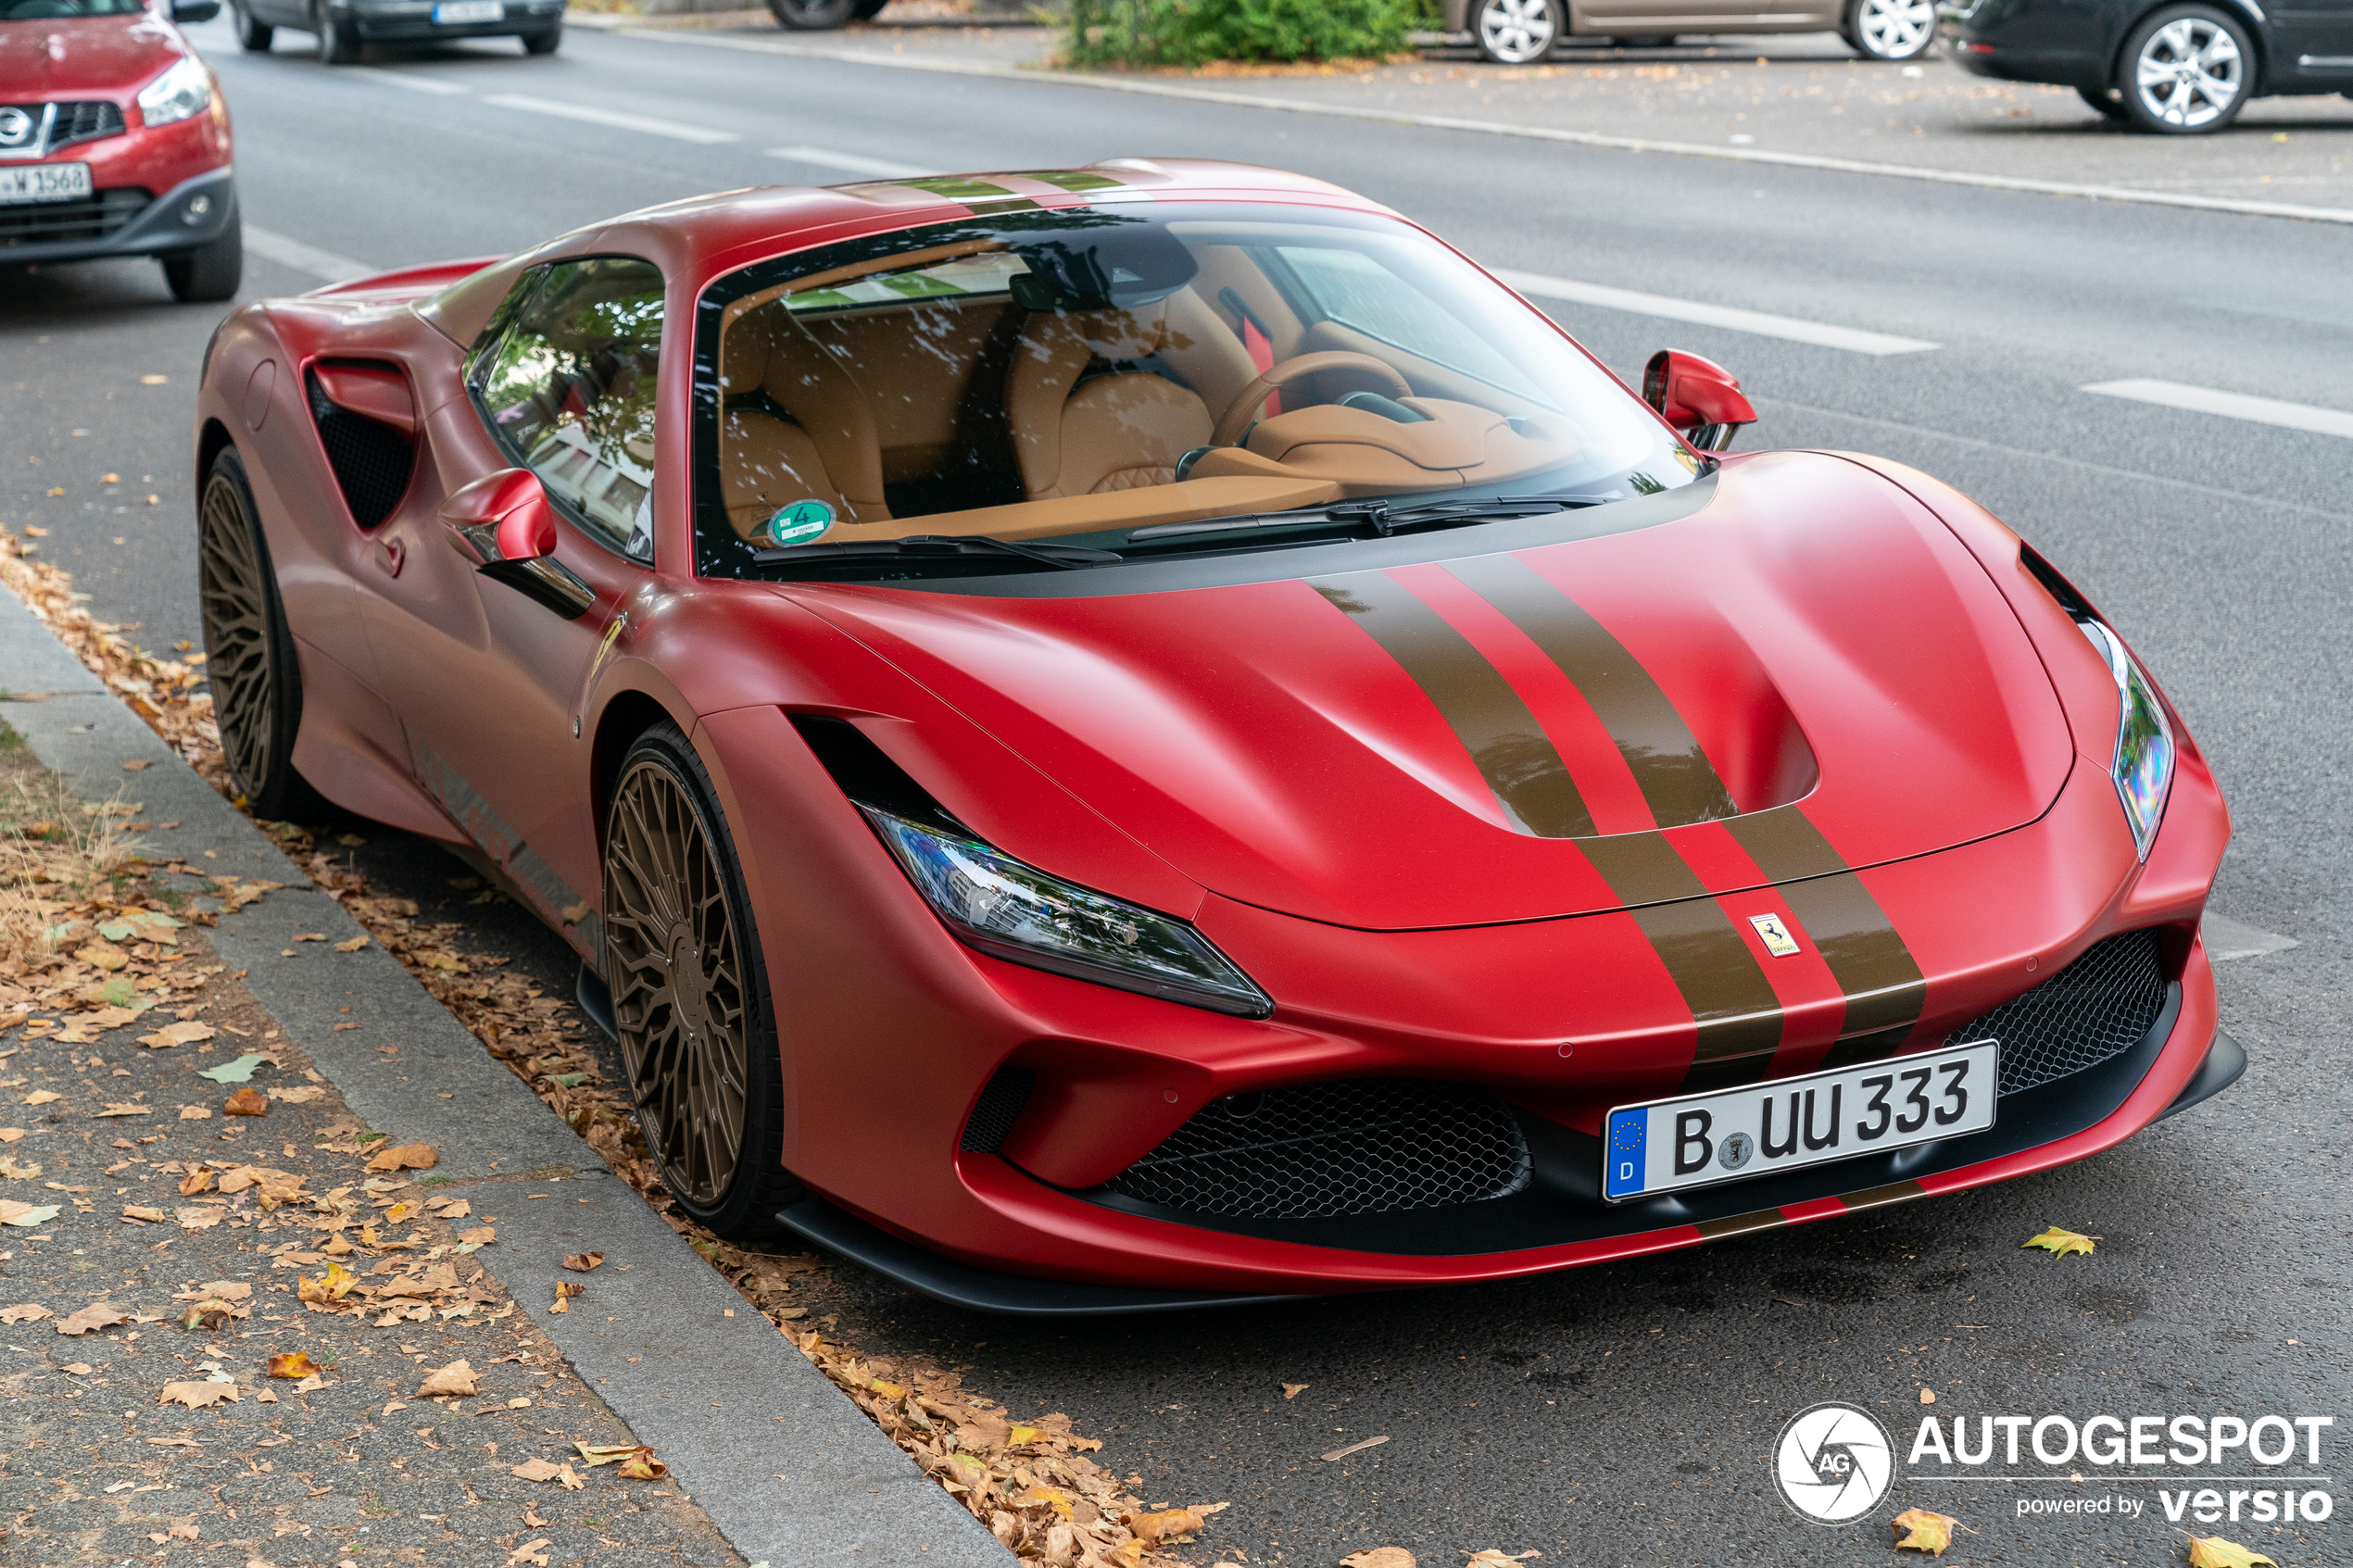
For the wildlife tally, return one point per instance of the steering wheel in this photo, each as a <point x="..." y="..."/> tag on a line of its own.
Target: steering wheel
<point x="1236" y="417"/>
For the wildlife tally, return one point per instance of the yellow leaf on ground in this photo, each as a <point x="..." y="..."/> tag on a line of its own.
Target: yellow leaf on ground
<point x="197" y="1181"/>
<point x="1379" y="1557"/>
<point x="2059" y="1243"/>
<point x="408" y="1156"/>
<point x="581" y="1262"/>
<point x="292" y="1363"/>
<point x="351" y="946"/>
<point x="1923" y="1530"/>
<point x="211" y="1312"/>
<point x="141" y="1211"/>
<point x="196" y="1396"/>
<point x="457" y="1377"/>
<point x="1292" y="1391"/>
<point x="328" y="1288"/>
<point x="2213" y="1551"/>
<point x="1168" y="1524"/>
<point x="248" y="1101"/>
<point x="643" y="1466"/>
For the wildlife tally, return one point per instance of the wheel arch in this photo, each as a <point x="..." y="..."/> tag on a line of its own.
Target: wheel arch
<point x="2249" y="14"/>
<point x="212" y="439"/>
<point x="625" y="715"/>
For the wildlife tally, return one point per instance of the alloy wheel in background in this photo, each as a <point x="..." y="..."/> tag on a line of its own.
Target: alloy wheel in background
<point x="252" y="36"/>
<point x="813" y="16"/>
<point x="1517" y="33"/>
<point x="2186" y="71"/>
<point x="249" y="654"/>
<point x="338" y="36"/>
<point x="1890" y="30"/>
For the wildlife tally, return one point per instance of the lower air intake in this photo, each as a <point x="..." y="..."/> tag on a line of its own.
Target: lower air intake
<point x="2096" y="1007"/>
<point x="1367" y="1146"/>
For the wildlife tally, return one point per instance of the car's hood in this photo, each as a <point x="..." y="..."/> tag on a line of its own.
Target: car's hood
<point x="92" y="57"/>
<point x="1441" y="742"/>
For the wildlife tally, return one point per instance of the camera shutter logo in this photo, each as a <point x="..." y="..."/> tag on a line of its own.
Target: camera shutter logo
<point x="1833" y="1463"/>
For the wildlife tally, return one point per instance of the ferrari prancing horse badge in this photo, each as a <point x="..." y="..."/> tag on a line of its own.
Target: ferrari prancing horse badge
<point x="1776" y="936"/>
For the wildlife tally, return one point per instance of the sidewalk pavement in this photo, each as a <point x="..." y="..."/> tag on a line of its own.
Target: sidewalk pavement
<point x="769" y="1463"/>
<point x="1795" y="97"/>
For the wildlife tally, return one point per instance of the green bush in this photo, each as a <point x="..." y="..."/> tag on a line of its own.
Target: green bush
<point x="1193" y="33"/>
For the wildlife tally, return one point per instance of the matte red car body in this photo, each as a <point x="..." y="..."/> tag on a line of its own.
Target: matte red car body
<point x="1840" y="634"/>
<point x="80" y="59"/>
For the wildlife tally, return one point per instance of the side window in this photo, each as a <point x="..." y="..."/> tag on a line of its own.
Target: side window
<point x="567" y="384"/>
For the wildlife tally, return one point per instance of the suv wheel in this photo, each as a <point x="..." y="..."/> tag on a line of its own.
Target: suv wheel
<point x="253" y="36"/>
<point x="1889" y="30"/>
<point x="338" y="37"/>
<point x="1517" y="33"/>
<point x="813" y="16"/>
<point x="2186" y="71"/>
<point x="212" y="271"/>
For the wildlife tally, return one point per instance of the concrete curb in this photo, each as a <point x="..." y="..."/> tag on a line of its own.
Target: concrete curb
<point x="653" y="1334"/>
<point x="1503" y="128"/>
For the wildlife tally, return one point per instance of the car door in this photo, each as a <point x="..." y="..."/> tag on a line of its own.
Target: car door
<point x="2318" y="36"/>
<point x="487" y="671"/>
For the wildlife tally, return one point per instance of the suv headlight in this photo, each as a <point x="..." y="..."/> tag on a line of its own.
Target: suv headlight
<point x="2143" y="766"/>
<point x="184" y="90"/>
<point x="1019" y="913"/>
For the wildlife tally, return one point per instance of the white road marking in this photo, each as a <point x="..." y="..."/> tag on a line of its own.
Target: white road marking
<point x="289" y="252"/>
<point x="1503" y="128"/>
<point x="2227" y="939"/>
<point x="616" y="117"/>
<point x="402" y="79"/>
<point x="1822" y="334"/>
<point x="851" y="163"/>
<point x="2230" y="405"/>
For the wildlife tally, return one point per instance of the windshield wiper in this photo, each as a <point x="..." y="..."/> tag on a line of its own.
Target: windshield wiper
<point x="1379" y="516"/>
<point x="936" y="546"/>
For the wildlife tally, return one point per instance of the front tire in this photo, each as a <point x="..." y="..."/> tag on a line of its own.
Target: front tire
<point x="253" y="36"/>
<point x="542" y="42"/>
<point x="690" y="996"/>
<point x="2186" y="72"/>
<point x="249" y="653"/>
<point x="813" y="16"/>
<point x="338" y="37"/>
<point x="212" y="271"/>
<point x="1889" y="30"/>
<point x="1517" y="32"/>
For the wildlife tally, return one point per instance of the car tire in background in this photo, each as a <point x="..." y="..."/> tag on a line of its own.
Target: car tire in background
<point x="2185" y="70"/>
<point x="338" y="37"/>
<point x="690" y="996"/>
<point x="249" y="654"/>
<point x="212" y="271"/>
<point x="813" y="16"/>
<point x="1889" y="30"/>
<point x="2106" y="100"/>
<point x="1517" y="32"/>
<point x="867" y="10"/>
<point x="545" y="43"/>
<point x="253" y="36"/>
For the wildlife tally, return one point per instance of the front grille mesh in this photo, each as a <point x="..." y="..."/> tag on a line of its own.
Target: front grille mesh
<point x="997" y="1109"/>
<point x="371" y="460"/>
<point x="2096" y="1007"/>
<point x="1366" y="1146"/>
<point x="93" y="218"/>
<point x="85" y="122"/>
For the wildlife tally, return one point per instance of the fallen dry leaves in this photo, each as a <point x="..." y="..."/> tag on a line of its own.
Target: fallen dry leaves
<point x="1379" y="1557"/>
<point x="293" y="1363"/>
<point x="2059" y="1243"/>
<point x="1920" y="1530"/>
<point x="196" y="1396"/>
<point x="546" y="1470"/>
<point x="2213" y="1551"/>
<point x="408" y="1156"/>
<point x="97" y="1315"/>
<point x="457" y="1378"/>
<point x="636" y="1459"/>
<point x="23" y="1311"/>
<point x="248" y="1101"/>
<point x="581" y="1262"/>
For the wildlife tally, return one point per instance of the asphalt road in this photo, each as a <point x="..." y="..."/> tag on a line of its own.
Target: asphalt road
<point x="1618" y="1415"/>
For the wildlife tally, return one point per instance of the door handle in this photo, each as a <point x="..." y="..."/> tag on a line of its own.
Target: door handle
<point x="391" y="555"/>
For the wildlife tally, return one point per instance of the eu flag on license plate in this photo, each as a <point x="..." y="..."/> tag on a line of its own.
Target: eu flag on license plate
<point x="1628" y="1130"/>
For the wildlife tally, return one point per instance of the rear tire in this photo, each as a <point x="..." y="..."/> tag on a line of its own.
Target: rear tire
<point x="338" y="37"/>
<point x="813" y="16"/>
<point x="2186" y="72"/>
<point x="253" y="36"/>
<point x="1889" y="30"/>
<point x="212" y="272"/>
<point x="2102" y="99"/>
<point x="868" y="10"/>
<point x="249" y="654"/>
<point x="1517" y="32"/>
<point x="690" y="995"/>
<point x="542" y="42"/>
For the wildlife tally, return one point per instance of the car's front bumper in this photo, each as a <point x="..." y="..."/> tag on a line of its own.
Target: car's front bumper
<point x="192" y="213"/>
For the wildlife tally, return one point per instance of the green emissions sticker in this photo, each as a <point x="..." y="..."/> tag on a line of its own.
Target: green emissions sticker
<point x="799" y="522"/>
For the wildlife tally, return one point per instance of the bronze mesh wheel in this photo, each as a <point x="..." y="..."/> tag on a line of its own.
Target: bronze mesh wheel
<point x="689" y="991"/>
<point x="250" y="655"/>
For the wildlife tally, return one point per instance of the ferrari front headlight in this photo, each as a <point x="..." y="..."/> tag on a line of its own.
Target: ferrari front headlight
<point x="1019" y="913"/>
<point x="184" y="90"/>
<point x="2143" y="765"/>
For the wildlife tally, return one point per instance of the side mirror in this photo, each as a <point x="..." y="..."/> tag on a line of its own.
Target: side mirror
<point x="503" y="524"/>
<point x="194" y="10"/>
<point x="1697" y="397"/>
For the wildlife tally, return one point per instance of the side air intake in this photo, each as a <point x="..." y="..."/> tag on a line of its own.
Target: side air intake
<point x="367" y="423"/>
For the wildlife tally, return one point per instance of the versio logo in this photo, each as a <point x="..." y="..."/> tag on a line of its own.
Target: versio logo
<point x="1833" y="1463"/>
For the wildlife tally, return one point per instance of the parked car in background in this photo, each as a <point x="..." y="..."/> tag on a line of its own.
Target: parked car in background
<point x="2177" y="69"/>
<point x="1516" y="32"/>
<point x="819" y="16"/>
<point x="114" y="141"/>
<point x="343" y="27"/>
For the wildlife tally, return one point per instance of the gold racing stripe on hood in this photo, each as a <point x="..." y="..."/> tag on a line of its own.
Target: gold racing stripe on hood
<point x="1884" y="984"/>
<point x="1676" y="778"/>
<point x="1739" y="1016"/>
<point x="1509" y="748"/>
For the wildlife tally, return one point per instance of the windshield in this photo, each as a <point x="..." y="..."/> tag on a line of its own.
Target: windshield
<point x="1087" y="376"/>
<point x="51" y="10"/>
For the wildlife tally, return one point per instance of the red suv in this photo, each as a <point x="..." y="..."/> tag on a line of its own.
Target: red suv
<point x="114" y="141"/>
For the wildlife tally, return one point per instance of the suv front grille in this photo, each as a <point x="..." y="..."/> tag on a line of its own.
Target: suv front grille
<point x="85" y="122"/>
<point x="2096" y="1007"/>
<point x="1366" y="1146"/>
<point x="93" y="218"/>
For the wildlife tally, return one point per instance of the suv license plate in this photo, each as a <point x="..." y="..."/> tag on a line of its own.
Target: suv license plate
<point x="451" y="11"/>
<point x="43" y="183"/>
<point x="1763" y="1129"/>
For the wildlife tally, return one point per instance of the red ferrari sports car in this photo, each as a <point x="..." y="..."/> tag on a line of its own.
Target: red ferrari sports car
<point x="1129" y="736"/>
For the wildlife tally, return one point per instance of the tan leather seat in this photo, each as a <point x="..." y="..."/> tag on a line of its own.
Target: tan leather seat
<point x="796" y="426"/>
<point x="1121" y="428"/>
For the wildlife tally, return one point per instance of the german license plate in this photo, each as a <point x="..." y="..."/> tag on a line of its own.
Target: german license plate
<point x="451" y="11"/>
<point x="43" y="183"/>
<point x="1761" y="1129"/>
